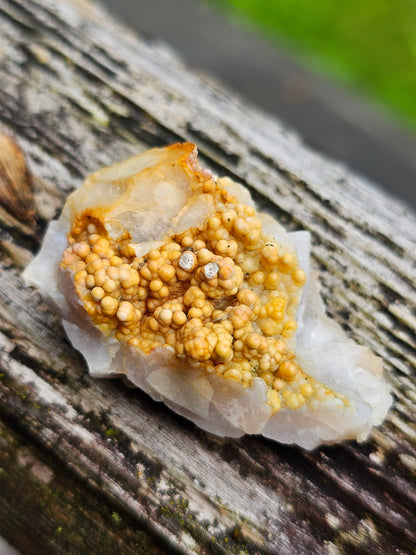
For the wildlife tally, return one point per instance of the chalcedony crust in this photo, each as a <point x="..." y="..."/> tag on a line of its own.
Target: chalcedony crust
<point x="169" y="276"/>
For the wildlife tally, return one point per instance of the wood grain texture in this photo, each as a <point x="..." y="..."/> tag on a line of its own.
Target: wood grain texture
<point x="111" y="468"/>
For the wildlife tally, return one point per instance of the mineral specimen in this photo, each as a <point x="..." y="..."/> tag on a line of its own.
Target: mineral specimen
<point x="167" y="276"/>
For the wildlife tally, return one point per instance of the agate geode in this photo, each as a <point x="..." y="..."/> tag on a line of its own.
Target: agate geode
<point x="169" y="277"/>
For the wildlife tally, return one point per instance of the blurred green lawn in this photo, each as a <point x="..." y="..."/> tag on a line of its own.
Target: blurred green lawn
<point x="369" y="45"/>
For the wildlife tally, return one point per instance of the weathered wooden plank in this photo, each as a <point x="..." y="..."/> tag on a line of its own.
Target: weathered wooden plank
<point x="79" y="93"/>
<point x="36" y="488"/>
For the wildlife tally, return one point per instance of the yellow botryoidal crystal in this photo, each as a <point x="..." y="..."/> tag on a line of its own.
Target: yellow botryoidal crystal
<point x="218" y="294"/>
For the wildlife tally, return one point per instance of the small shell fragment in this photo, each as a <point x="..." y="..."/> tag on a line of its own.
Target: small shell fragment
<point x="170" y="277"/>
<point x="187" y="261"/>
<point x="211" y="270"/>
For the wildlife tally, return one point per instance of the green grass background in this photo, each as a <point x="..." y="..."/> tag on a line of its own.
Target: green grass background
<point x="370" y="45"/>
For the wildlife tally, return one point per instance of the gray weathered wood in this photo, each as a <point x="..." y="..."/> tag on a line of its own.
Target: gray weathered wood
<point x="90" y="465"/>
